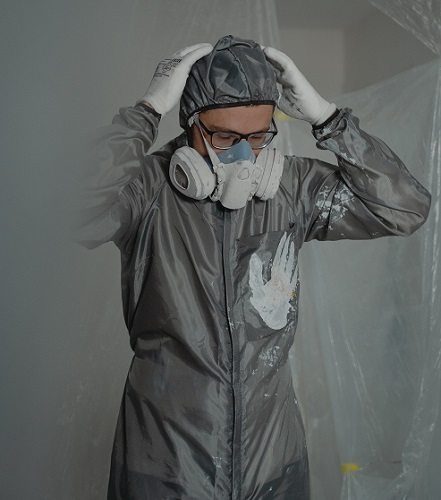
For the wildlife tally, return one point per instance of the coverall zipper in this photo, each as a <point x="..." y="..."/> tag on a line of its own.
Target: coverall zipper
<point x="236" y="459"/>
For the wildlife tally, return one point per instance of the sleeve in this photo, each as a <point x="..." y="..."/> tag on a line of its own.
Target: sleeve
<point x="116" y="191"/>
<point x="370" y="194"/>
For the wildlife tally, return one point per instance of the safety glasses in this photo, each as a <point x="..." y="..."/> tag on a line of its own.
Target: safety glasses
<point x="220" y="139"/>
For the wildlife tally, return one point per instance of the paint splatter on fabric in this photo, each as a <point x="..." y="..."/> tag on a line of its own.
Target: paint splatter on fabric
<point x="334" y="206"/>
<point x="271" y="356"/>
<point x="272" y="299"/>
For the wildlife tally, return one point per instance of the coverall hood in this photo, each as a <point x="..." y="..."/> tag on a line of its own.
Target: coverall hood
<point x="235" y="73"/>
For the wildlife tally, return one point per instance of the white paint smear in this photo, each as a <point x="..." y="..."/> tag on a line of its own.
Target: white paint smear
<point x="334" y="208"/>
<point x="272" y="299"/>
<point x="271" y="356"/>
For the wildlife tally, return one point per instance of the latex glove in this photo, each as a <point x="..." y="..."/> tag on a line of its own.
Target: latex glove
<point x="170" y="76"/>
<point x="298" y="99"/>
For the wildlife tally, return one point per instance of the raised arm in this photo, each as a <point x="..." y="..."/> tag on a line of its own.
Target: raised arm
<point x="117" y="187"/>
<point x="370" y="194"/>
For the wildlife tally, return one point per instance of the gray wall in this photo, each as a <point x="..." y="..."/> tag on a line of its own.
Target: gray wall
<point x="378" y="48"/>
<point x="347" y="58"/>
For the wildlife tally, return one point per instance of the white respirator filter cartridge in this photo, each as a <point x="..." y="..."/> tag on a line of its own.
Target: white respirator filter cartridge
<point x="272" y="163"/>
<point x="190" y="174"/>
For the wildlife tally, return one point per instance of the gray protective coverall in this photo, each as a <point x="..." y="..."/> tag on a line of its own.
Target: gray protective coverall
<point x="211" y="301"/>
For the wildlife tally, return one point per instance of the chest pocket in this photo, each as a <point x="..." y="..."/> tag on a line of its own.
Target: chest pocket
<point x="268" y="283"/>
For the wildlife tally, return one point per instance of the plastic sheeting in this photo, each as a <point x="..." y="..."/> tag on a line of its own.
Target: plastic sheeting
<point x="367" y="353"/>
<point x="421" y="17"/>
<point x="366" y="357"/>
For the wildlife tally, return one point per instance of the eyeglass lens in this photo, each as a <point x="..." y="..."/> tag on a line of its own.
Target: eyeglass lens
<point x="227" y="139"/>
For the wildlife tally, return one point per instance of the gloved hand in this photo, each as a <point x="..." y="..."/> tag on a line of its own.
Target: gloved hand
<point x="298" y="99"/>
<point x="170" y="76"/>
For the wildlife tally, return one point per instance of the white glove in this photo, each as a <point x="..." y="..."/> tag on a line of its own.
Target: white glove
<point x="298" y="99"/>
<point x="170" y="76"/>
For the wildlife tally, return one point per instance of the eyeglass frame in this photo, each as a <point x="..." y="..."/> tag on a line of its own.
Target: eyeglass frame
<point x="274" y="132"/>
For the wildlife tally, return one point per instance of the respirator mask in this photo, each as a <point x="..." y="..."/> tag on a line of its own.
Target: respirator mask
<point x="232" y="176"/>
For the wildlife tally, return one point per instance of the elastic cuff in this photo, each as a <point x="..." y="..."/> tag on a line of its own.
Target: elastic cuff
<point x="148" y="108"/>
<point x="333" y="126"/>
<point x="334" y="112"/>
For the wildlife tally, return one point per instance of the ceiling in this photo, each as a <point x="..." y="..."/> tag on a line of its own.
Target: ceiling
<point x="324" y="14"/>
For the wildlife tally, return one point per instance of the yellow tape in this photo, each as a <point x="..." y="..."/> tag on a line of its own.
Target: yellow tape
<point x="349" y="467"/>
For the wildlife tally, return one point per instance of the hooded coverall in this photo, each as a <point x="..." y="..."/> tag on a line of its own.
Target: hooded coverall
<point x="210" y="299"/>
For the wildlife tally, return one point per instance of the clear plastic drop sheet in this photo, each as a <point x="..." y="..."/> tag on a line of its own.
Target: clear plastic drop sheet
<point x="366" y="357"/>
<point x="421" y="17"/>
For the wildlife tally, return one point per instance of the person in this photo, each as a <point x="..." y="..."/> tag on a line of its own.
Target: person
<point x="209" y="228"/>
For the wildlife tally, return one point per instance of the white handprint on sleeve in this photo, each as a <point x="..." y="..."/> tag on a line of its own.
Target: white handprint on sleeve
<point x="272" y="299"/>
